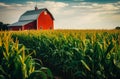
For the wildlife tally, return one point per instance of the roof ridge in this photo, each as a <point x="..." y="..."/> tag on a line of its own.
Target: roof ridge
<point x="37" y="10"/>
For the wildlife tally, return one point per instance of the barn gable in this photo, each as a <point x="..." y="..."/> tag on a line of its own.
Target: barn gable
<point x="33" y="14"/>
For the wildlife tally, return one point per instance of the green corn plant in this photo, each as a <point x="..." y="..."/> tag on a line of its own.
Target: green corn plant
<point x="16" y="63"/>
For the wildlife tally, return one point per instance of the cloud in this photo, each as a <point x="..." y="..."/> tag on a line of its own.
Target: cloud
<point x="96" y="7"/>
<point x="91" y="16"/>
<point x="52" y="4"/>
<point x="78" y="0"/>
<point x="3" y="5"/>
<point x="9" y="6"/>
<point x="10" y="13"/>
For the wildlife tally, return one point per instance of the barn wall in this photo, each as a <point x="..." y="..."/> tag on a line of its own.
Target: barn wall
<point x="29" y="26"/>
<point x="45" y="21"/>
<point x="15" y="28"/>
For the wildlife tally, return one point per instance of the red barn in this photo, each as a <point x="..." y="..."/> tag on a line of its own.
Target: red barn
<point x="34" y="19"/>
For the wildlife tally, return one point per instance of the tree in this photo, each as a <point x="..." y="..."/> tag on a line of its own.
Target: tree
<point x="118" y="28"/>
<point x="3" y="26"/>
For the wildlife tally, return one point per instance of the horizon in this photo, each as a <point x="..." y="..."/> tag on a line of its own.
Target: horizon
<point x="72" y="14"/>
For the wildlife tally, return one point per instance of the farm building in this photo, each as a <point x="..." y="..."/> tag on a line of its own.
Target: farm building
<point x="34" y="19"/>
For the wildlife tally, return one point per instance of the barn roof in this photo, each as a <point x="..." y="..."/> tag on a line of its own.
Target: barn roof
<point x="20" y="23"/>
<point x="33" y="14"/>
<point x="30" y="16"/>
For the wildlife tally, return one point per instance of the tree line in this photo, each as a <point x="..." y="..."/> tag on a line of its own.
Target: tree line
<point x="4" y="26"/>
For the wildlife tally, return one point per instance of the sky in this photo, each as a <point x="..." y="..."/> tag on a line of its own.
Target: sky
<point x="68" y="14"/>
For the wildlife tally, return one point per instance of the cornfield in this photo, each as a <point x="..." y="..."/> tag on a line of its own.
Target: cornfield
<point x="69" y="54"/>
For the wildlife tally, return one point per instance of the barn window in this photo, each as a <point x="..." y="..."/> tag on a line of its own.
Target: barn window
<point x="45" y="12"/>
<point x="40" y="27"/>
